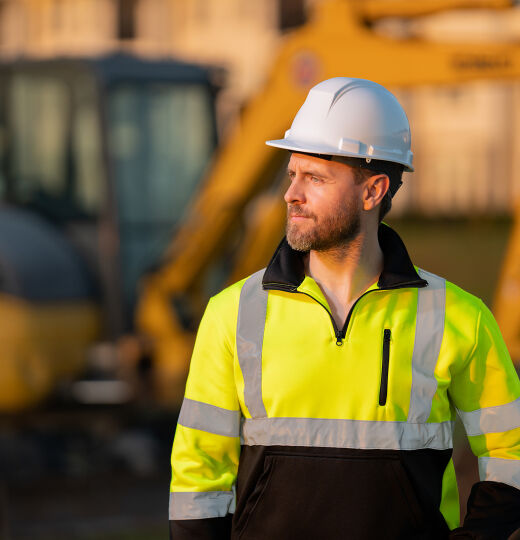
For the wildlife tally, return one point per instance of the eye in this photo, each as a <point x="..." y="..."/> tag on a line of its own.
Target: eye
<point x="316" y="180"/>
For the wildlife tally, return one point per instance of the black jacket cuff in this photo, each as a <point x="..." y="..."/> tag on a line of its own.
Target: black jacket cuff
<point x="493" y="513"/>
<point x="201" y="529"/>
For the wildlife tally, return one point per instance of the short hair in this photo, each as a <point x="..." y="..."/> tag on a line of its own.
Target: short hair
<point x="364" y="170"/>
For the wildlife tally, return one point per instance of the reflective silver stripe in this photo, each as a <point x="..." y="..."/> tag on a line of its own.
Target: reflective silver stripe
<point x="198" y="415"/>
<point x="500" y="470"/>
<point x="491" y="419"/>
<point x="340" y="433"/>
<point x="429" y="329"/>
<point x="200" y="505"/>
<point x="250" y="336"/>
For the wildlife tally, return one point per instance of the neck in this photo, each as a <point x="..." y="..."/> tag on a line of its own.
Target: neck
<point x="345" y="272"/>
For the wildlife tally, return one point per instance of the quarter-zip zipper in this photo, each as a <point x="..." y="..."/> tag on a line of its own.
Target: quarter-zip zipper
<point x="337" y="331"/>
<point x="340" y="334"/>
<point x="383" y="389"/>
<point x="291" y="288"/>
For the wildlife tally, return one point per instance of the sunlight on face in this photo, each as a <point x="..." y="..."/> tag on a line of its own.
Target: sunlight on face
<point x="323" y="211"/>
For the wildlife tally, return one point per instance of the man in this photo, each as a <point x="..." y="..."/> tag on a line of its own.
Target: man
<point x="323" y="389"/>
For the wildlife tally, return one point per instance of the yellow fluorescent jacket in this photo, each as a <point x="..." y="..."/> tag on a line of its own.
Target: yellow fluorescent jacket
<point x="271" y="370"/>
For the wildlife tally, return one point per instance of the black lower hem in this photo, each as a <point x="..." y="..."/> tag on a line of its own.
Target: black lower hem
<point x="300" y="492"/>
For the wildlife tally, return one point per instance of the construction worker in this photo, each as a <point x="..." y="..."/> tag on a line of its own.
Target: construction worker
<point x="323" y="389"/>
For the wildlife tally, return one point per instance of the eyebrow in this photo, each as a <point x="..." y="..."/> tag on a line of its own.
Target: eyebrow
<point x="309" y="172"/>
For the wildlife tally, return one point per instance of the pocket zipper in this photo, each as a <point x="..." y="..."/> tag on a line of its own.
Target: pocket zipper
<point x="383" y="389"/>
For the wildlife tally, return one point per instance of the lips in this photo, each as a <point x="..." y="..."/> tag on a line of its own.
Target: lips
<point x="298" y="215"/>
<point x="295" y="212"/>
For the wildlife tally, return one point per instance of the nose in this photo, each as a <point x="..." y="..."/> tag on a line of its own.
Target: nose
<point x="295" y="193"/>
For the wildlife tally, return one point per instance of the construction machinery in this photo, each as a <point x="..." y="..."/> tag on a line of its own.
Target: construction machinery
<point x="99" y="158"/>
<point x="506" y="307"/>
<point x="241" y="204"/>
<point x="232" y="225"/>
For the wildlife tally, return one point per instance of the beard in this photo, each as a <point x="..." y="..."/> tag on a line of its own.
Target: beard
<point x="334" y="231"/>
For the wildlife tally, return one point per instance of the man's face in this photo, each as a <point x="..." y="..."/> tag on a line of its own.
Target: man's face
<point x="323" y="204"/>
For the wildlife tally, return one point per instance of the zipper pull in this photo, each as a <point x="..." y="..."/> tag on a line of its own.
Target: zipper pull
<point x="339" y="339"/>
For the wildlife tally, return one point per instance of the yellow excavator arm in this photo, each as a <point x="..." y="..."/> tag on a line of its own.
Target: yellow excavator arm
<point x="506" y="307"/>
<point x="337" y="41"/>
<point x="378" y="9"/>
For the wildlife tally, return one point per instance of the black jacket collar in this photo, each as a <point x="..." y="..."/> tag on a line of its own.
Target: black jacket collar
<point x="286" y="268"/>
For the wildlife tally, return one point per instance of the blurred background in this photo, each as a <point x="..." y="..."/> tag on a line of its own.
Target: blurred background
<point x="135" y="183"/>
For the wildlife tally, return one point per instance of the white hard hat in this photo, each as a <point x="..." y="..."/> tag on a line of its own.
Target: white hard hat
<point x="350" y="117"/>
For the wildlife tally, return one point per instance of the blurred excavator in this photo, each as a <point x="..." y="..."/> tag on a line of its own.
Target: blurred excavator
<point x="154" y="210"/>
<point x="98" y="159"/>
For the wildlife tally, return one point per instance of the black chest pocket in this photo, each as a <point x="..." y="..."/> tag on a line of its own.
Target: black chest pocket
<point x="385" y="366"/>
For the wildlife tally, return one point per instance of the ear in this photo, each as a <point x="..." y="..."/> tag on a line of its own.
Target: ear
<point x="376" y="188"/>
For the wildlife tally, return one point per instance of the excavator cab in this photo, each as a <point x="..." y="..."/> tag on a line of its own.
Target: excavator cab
<point x="98" y="160"/>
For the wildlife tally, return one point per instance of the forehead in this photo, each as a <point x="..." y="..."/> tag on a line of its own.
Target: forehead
<point x="305" y="163"/>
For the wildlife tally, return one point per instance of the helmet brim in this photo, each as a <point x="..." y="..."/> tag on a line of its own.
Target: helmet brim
<point x="293" y="146"/>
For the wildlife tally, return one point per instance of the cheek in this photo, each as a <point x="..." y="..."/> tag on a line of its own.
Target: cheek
<point x="323" y="201"/>
<point x="346" y="205"/>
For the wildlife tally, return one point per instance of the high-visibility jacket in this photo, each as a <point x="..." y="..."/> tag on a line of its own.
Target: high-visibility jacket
<point x="293" y="428"/>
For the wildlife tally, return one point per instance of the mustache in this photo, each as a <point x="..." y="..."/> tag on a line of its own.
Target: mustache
<point x="294" y="210"/>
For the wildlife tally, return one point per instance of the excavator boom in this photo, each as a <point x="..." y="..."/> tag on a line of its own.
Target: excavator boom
<point x="378" y="9"/>
<point x="335" y="42"/>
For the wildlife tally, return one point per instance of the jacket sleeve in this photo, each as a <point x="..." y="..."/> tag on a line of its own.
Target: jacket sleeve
<point x="486" y="393"/>
<point x="206" y="446"/>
